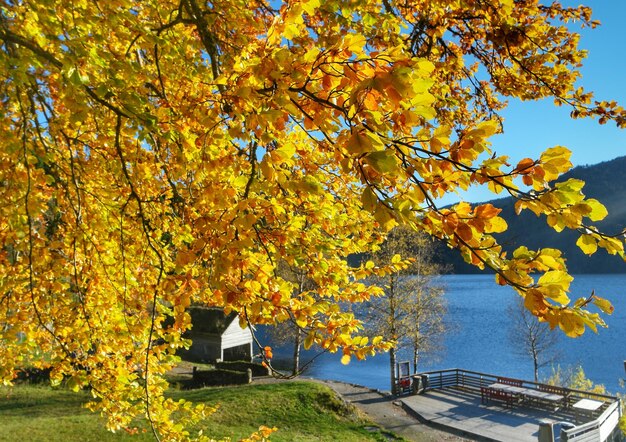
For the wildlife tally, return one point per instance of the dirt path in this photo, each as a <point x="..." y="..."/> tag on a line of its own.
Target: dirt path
<point x="385" y="411"/>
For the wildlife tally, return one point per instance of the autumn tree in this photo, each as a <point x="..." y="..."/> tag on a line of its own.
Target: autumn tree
<point x="531" y="338"/>
<point x="574" y="378"/>
<point x="427" y="324"/>
<point x="290" y="333"/>
<point x="155" y="154"/>
<point x="411" y="312"/>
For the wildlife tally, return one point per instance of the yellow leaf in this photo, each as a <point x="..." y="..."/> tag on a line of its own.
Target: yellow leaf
<point x="496" y="225"/>
<point x="548" y="261"/>
<point x="592" y="321"/>
<point x="571" y="324"/>
<point x="535" y="302"/>
<point x="384" y="217"/>
<point x="267" y="169"/>
<point x="311" y="55"/>
<point x="554" y="285"/>
<point x="603" y="304"/>
<point x="354" y="42"/>
<point x="377" y="143"/>
<point x="383" y="162"/>
<point x="345" y="359"/>
<point x="587" y="244"/>
<point x="598" y="211"/>
<point x="308" y="341"/>
<point x="556" y="278"/>
<point x="291" y="30"/>
<point x="309" y="6"/>
<point x="507" y="6"/>
<point x="555" y="161"/>
<point x="612" y="245"/>
<point x="359" y="143"/>
<point x="440" y="139"/>
<point x="463" y="209"/>
<point x="483" y="130"/>
<point x="368" y="199"/>
<point x="285" y="153"/>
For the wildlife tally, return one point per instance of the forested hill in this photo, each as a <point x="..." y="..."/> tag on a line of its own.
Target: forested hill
<point x="606" y="182"/>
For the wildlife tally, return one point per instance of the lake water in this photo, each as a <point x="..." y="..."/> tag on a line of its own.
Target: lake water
<point x="477" y="313"/>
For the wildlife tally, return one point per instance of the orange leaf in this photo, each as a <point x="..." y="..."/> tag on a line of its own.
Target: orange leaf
<point x="525" y="166"/>
<point x="465" y="232"/>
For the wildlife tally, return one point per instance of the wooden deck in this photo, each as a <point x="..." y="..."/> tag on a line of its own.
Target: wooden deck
<point x="461" y="412"/>
<point x="475" y="405"/>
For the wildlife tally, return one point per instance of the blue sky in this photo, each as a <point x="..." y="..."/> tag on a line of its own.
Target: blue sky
<point x="532" y="127"/>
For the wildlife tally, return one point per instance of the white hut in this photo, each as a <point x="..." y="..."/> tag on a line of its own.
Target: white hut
<point x="217" y="337"/>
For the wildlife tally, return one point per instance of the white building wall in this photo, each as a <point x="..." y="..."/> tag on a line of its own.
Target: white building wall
<point x="234" y="335"/>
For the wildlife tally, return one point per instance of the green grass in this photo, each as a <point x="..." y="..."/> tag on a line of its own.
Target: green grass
<point x="40" y="413"/>
<point x="303" y="411"/>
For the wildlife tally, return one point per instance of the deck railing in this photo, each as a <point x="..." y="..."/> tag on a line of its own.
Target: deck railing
<point x="458" y="377"/>
<point x="600" y="427"/>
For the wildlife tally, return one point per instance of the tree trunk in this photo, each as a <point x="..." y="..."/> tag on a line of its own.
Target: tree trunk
<point x="392" y="370"/>
<point x="415" y="357"/>
<point x="297" y="342"/>
<point x="296" y="352"/>
<point x="536" y="364"/>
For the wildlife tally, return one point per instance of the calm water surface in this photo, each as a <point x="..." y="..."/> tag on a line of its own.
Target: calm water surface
<point x="477" y="313"/>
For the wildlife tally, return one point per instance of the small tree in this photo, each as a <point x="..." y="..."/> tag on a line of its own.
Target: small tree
<point x="289" y="332"/>
<point x="574" y="378"/>
<point x="411" y="312"/>
<point x="531" y="338"/>
<point x="424" y="325"/>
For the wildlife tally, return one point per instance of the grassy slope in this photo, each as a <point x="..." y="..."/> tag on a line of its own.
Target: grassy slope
<point x="302" y="411"/>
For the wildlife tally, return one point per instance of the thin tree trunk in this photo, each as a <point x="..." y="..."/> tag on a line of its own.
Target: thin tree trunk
<point x="296" y="351"/>
<point x="297" y="342"/>
<point x="392" y="332"/>
<point x="536" y="364"/>
<point x="415" y="357"/>
<point x="392" y="370"/>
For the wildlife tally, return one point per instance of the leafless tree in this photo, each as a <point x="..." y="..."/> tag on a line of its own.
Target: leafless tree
<point x="532" y="338"/>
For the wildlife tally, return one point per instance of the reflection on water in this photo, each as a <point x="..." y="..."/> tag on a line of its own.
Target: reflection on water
<point x="477" y="314"/>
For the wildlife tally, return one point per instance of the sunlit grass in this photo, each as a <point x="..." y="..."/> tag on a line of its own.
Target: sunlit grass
<point x="303" y="411"/>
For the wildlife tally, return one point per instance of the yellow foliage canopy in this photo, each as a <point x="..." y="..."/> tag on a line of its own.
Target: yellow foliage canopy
<point x="158" y="154"/>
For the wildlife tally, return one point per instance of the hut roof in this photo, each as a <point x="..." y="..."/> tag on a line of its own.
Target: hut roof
<point x="210" y="320"/>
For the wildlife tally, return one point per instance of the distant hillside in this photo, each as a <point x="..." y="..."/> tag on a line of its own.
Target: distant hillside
<point x="605" y="182"/>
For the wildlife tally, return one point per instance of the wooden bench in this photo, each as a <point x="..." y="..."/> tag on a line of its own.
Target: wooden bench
<point x="510" y="381"/>
<point x="553" y="389"/>
<point x="549" y="395"/>
<point x="488" y="393"/>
